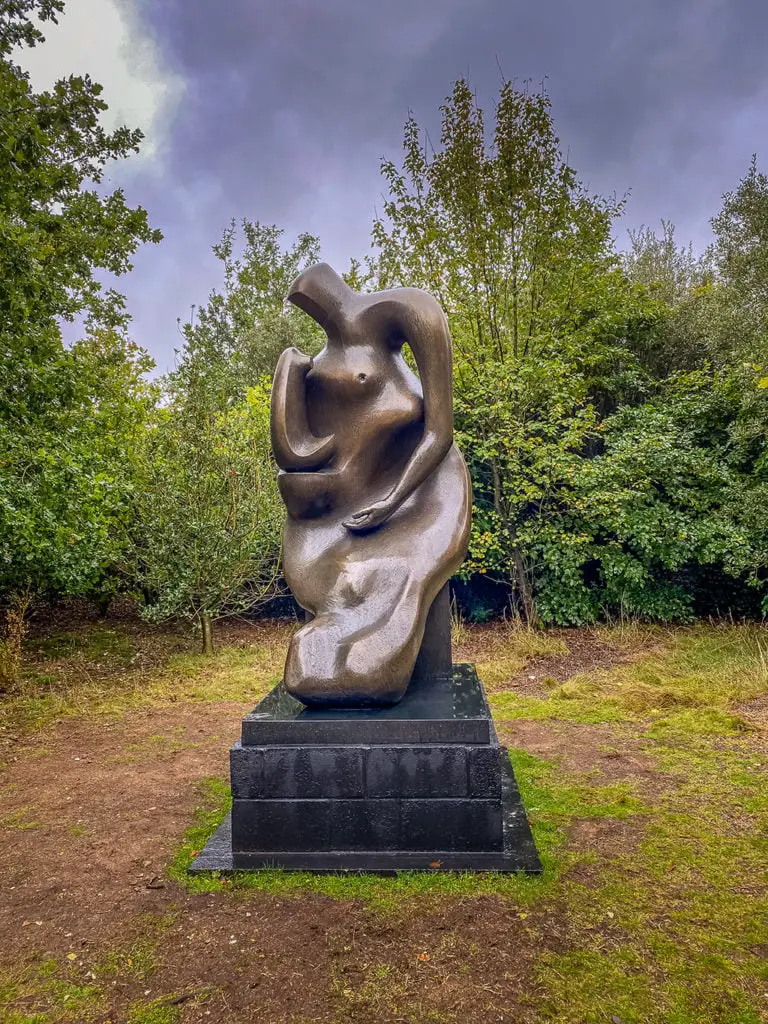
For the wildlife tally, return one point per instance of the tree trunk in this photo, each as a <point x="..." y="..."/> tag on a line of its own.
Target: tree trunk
<point x="207" y="627"/>
<point x="11" y="647"/>
<point x="524" y="589"/>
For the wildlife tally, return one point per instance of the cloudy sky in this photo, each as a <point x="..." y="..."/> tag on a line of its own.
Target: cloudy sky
<point x="281" y="111"/>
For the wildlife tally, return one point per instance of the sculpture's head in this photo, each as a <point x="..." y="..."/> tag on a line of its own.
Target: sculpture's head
<point x="324" y="296"/>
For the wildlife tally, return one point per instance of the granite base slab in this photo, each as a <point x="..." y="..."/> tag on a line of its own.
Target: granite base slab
<point x="516" y="852"/>
<point x="449" y="707"/>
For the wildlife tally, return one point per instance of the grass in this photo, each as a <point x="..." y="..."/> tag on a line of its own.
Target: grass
<point x="232" y="673"/>
<point x="77" y="988"/>
<point x="667" y="931"/>
<point x="92" y="672"/>
<point x="663" y="921"/>
<point x="19" y="820"/>
<point x="689" y="685"/>
<point x="92" y="644"/>
<point x="54" y="993"/>
<point x="49" y="991"/>
<point x="672" y="932"/>
<point x="512" y="649"/>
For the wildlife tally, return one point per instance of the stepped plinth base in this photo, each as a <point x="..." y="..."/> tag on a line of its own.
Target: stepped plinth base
<point x="423" y="785"/>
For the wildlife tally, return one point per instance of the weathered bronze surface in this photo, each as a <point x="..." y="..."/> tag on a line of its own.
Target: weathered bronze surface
<point x="378" y="496"/>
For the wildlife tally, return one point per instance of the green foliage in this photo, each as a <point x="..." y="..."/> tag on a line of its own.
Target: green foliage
<point x="669" y="491"/>
<point x="740" y="250"/>
<point x="67" y="416"/>
<point x="55" y="229"/>
<point x="522" y="427"/>
<point x="520" y="256"/>
<point x="670" y="271"/>
<point x="209" y="514"/>
<point x="237" y="336"/>
<point x="503" y="233"/>
<point x="208" y="536"/>
<point x="615" y="438"/>
<point x="65" y="496"/>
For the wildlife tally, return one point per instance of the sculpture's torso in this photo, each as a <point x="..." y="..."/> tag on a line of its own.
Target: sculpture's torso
<point x="349" y="427"/>
<point x="371" y="402"/>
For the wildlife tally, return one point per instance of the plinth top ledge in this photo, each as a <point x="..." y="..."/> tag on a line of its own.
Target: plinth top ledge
<point x="449" y="708"/>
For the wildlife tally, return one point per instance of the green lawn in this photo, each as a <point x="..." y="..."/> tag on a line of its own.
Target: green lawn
<point x="644" y="778"/>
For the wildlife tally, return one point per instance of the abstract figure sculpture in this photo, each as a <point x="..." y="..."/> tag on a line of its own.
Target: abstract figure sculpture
<point x="377" y="494"/>
<point x="394" y="764"/>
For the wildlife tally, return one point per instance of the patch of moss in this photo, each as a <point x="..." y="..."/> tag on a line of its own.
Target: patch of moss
<point x="699" y="722"/>
<point x="19" y="821"/>
<point x="559" y="706"/>
<point x="51" y="993"/>
<point x="138" y="961"/>
<point x="233" y="673"/>
<point x="512" y="649"/>
<point x="673" y="931"/>
<point x="156" y="1012"/>
<point x="686" y="686"/>
<point x="92" y="644"/>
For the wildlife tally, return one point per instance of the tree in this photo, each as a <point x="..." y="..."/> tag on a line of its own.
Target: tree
<point x="676" y="495"/>
<point x="740" y="255"/>
<point x="520" y="256"/>
<point x="59" y="491"/>
<point x="670" y="271"/>
<point x="680" y="288"/>
<point x="712" y="308"/>
<point x="208" y="544"/>
<point x="208" y="535"/>
<point x="740" y="249"/>
<point x="240" y="332"/>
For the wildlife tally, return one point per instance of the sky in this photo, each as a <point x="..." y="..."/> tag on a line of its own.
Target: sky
<point x="281" y="111"/>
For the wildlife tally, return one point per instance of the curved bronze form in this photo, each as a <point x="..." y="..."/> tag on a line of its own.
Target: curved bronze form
<point x="378" y="496"/>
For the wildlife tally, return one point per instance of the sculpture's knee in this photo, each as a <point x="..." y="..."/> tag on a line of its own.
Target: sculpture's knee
<point x="309" y="666"/>
<point x="321" y="669"/>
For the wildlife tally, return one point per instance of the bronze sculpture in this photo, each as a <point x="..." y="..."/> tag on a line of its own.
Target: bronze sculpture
<point x="378" y="496"/>
<point x="379" y="503"/>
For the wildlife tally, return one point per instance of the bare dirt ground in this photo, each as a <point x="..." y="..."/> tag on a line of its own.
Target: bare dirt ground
<point x="93" y="808"/>
<point x="101" y="808"/>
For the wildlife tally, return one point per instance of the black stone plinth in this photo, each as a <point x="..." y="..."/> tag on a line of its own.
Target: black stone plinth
<point x="423" y="785"/>
<point x="448" y="708"/>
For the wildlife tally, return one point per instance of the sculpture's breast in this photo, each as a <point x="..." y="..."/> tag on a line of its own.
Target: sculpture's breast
<point x="359" y="393"/>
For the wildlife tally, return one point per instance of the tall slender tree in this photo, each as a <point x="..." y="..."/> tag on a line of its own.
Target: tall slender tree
<point x="59" y="490"/>
<point x="497" y="225"/>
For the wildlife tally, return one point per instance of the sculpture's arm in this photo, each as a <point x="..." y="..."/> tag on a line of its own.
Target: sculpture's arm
<point x="294" y="445"/>
<point x="414" y="316"/>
